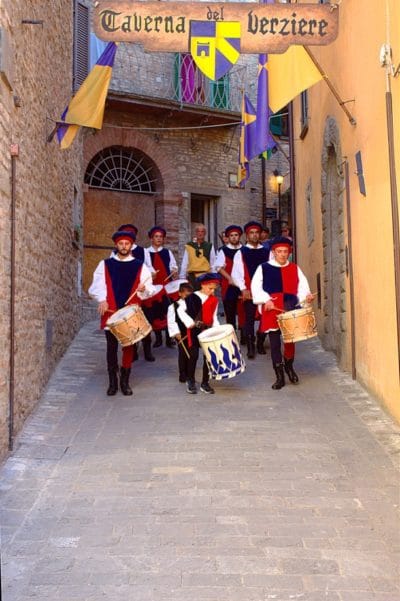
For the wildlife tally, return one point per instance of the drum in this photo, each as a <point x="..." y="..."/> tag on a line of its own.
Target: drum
<point x="172" y="289"/>
<point x="298" y="324"/>
<point x="155" y="308"/>
<point x="222" y="352"/>
<point x="129" y="325"/>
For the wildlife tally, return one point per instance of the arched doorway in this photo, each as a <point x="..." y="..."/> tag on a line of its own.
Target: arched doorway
<point x="120" y="187"/>
<point x="334" y="242"/>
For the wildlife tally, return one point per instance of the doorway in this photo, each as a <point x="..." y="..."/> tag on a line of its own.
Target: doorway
<point x="204" y="209"/>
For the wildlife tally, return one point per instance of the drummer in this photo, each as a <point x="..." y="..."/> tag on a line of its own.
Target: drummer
<point x="199" y="312"/>
<point x="223" y="264"/>
<point x="178" y="330"/>
<point x="114" y="281"/>
<point x="165" y="268"/>
<point x="278" y="286"/>
<point x="142" y="254"/>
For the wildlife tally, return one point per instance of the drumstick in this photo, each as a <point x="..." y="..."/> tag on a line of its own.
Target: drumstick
<point x="169" y="276"/>
<point x="135" y="291"/>
<point x="184" y="347"/>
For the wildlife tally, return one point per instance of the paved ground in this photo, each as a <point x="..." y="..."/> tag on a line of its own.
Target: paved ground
<point x="247" y="495"/>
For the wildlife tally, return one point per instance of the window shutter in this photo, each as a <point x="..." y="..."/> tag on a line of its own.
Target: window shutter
<point x="81" y="44"/>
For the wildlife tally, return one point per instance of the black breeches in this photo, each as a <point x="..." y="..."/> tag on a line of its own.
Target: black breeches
<point x="250" y="312"/>
<point x="191" y="364"/>
<point x="230" y="309"/>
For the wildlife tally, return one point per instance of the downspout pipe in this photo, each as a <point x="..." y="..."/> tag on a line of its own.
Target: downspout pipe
<point x="292" y="171"/>
<point x="14" y="155"/>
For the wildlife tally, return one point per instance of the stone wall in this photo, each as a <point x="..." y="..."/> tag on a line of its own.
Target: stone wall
<point x="48" y="202"/>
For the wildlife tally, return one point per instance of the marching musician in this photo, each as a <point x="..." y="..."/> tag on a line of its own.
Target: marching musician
<point x="114" y="281"/>
<point x="198" y="257"/>
<point x="165" y="267"/>
<point x="199" y="312"/>
<point x="223" y="264"/>
<point x="279" y="286"/>
<point x="245" y="263"/>
<point x="141" y="253"/>
<point x="178" y="329"/>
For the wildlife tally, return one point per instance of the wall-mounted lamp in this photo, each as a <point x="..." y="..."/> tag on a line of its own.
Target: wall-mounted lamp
<point x="279" y="181"/>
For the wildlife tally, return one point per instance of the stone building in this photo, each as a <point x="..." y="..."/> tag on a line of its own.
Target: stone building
<point x="347" y="196"/>
<point x="41" y="187"/>
<point x="174" y="136"/>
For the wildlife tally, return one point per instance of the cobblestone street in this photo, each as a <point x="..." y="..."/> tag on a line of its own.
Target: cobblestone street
<point x="247" y="495"/>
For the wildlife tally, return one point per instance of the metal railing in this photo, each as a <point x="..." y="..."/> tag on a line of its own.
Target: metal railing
<point x="175" y="76"/>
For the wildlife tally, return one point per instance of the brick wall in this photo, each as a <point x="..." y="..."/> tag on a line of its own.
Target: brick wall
<point x="47" y="184"/>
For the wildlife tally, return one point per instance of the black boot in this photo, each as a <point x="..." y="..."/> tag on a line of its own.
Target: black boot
<point x="242" y="337"/>
<point x="293" y="377"/>
<point x="260" y="343"/>
<point x="158" y="341"/>
<point x="251" y="347"/>
<point x="147" y="348"/>
<point x="113" y="385"/>
<point x="280" y="376"/>
<point x="124" y="381"/>
<point x="169" y="342"/>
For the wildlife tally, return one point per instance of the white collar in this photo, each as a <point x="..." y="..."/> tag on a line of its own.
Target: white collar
<point x="155" y="250"/>
<point x="252" y="247"/>
<point x="229" y="245"/>
<point x="128" y="258"/>
<point x="276" y="264"/>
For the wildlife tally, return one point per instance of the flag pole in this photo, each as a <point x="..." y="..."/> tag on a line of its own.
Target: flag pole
<point x="330" y="86"/>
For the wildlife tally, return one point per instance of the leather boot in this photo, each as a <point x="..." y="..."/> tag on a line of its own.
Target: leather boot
<point x="124" y="381"/>
<point x="260" y="343"/>
<point x="293" y="377"/>
<point x="147" y="348"/>
<point x="280" y="376"/>
<point x="113" y="382"/>
<point x="158" y="341"/>
<point x="169" y="342"/>
<point x="251" y="347"/>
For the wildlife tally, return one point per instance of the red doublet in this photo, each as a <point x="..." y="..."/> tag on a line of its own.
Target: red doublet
<point x="112" y="304"/>
<point x="285" y="282"/>
<point x="159" y="266"/>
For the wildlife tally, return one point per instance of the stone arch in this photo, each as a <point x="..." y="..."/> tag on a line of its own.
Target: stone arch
<point x="333" y="240"/>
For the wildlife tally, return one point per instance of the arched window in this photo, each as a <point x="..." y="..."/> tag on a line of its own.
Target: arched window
<point x="123" y="170"/>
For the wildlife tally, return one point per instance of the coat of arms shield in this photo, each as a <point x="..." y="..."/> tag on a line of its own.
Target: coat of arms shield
<point x="215" y="46"/>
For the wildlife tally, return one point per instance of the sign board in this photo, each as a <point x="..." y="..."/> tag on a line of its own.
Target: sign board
<point x="166" y="26"/>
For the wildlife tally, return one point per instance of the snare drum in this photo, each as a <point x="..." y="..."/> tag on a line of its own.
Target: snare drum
<point x="298" y="325"/>
<point x="129" y="325"/>
<point x="155" y="308"/>
<point x="222" y="352"/>
<point x="172" y="289"/>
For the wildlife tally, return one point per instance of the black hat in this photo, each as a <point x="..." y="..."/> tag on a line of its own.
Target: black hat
<point x="155" y="229"/>
<point x="207" y="278"/>
<point x="128" y="227"/>
<point x="281" y="241"/>
<point x="233" y="228"/>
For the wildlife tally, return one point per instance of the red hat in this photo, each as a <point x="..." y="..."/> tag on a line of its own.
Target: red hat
<point x="130" y="236"/>
<point x="156" y="230"/>
<point x="281" y="241"/>
<point x="252" y="225"/>
<point x="128" y="227"/>
<point x="233" y="228"/>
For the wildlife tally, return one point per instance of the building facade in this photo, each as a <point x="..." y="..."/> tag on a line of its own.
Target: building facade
<point x="346" y="195"/>
<point x="40" y="205"/>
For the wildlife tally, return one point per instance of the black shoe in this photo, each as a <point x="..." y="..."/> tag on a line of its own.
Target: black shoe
<point x="260" y="343"/>
<point x="280" y="377"/>
<point x="191" y="387"/>
<point x="113" y="382"/>
<point x="158" y="340"/>
<point x="206" y="388"/>
<point x="124" y="381"/>
<point x="293" y="377"/>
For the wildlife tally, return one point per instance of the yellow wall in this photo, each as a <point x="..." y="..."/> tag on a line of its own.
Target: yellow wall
<point x="352" y="64"/>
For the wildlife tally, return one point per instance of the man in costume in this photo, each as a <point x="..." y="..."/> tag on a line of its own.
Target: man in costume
<point x="140" y="253"/>
<point x="114" y="281"/>
<point x="199" y="312"/>
<point x="279" y="286"/>
<point x="245" y="263"/>
<point x="165" y="268"/>
<point x="198" y="257"/>
<point x="223" y="264"/>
